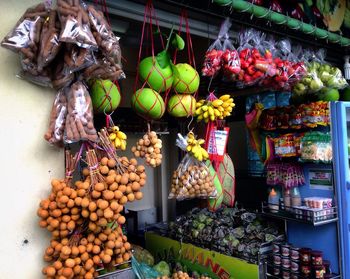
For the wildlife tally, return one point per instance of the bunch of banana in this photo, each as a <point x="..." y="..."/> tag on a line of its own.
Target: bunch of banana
<point x="194" y="147"/>
<point x="118" y="138"/>
<point x="210" y="110"/>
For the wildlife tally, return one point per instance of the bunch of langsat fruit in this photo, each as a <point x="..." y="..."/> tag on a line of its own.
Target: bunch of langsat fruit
<point x="84" y="217"/>
<point x="150" y="148"/>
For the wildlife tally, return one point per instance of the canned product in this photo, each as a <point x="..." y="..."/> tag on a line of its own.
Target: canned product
<point x="285" y="250"/>
<point x="294" y="266"/>
<point x="277" y="259"/>
<point x="285" y="262"/>
<point x="294" y="253"/>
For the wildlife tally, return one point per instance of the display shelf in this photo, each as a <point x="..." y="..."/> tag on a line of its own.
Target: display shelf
<point x="270" y="275"/>
<point x="121" y="273"/>
<point x="313" y="217"/>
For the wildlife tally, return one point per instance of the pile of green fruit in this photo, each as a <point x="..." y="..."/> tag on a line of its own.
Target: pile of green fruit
<point x="230" y="231"/>
<point x="321" y="78"/>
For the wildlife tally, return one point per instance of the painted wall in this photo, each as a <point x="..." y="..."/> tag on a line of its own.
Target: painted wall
<point x="27" y="161"/>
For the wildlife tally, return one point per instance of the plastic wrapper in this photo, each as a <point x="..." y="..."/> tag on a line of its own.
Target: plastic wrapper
<point x="285" y="146"/>
<point x="107" y="42"/>
<point x="49" y="41"/>
<point x="79" y="122"/>
<point x="316" y="147"/>
<point x="104" y="68"/>
<point x="42" y="78"/>
<point x="288" y="175"/>
<point x="25" y="36"/>
<point x="315" y="114"/>
<point x="77" y="58"/>
<point x="230" y="59"/>
<point x="192" y="178"/>
<point x="253" y="64"/>
<point x="59" y="78"/>
<point x="75" y="24"/>
<point x="213" y="57"/>
<point x="55" y="131"/>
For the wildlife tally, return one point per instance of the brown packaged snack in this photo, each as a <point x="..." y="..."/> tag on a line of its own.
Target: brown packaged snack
<point x="59" y="78"/>
<point x="49" y="40"/>
<point x="79" y="122"/>
<point x="107" y="42"/>
<point x="55" y="131"/>
<point x="77" y="58"/>
<point x="25" y="36"/>
<point x="75" y="24"/>
<point x="104" y="68"/>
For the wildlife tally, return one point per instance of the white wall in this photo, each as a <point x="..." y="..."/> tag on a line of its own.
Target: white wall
<point x="27" y="162"/>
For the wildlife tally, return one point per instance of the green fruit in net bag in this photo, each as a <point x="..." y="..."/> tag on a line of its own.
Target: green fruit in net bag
<point x="215" y="203"/>
<point x="226" y="174"/>
<point x="186" y="79"/>
<point x="148" y="103"/>
<point x="157" y="78"/>
<point x="181" y="105"/>
<point x="327" y="94"/>
<point x="105" y="96"/>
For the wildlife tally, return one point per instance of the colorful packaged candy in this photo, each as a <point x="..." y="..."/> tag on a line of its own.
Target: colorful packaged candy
<point x="316" y="147"/>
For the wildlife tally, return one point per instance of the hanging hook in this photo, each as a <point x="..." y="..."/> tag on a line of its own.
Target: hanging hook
<point x="189" y="124"/>
<point x="211" y="79"/>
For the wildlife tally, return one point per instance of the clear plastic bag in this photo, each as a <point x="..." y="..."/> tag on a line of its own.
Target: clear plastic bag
<point x="104" y="68"/>
<point x="55" y="131"/>
<point x="59" y="78"/>
<point x="25" y="36"/>
<point x="77" y="58"/>
<point x="42" y="78"/>
<point x="230" y="60"/>
<point x="75" y="24"/>
<point x="107" y="42"/>
<point x="79" y="122"/>
<point x="253" y="64"/>
<point x="316" y="147"/>
<point x="213" y="57"/>
<point x="49" y="41"/>
<point x="192" y="178"/>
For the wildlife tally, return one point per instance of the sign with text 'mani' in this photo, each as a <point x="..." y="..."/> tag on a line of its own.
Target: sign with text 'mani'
<point x="211" y="263"/>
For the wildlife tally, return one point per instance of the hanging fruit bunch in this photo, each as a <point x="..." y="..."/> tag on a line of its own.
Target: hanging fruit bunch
<point x="214" y="108"/>
<point x="150" y="148"/>
<point x="117" y="138"/>
<point x="195" y="148"/>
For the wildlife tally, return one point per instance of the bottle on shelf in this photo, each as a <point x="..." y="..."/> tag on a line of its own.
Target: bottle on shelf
<point x="296" y="198"/>
<point x="273" y="201"/>
<point x="287" y="199"/>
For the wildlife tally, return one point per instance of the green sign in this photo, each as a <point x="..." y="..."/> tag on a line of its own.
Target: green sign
<point x="214" y="264"/>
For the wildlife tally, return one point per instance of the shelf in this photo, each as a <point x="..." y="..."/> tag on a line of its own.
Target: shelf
<point x="269" y="275"/>
<point x="306" y="216"/>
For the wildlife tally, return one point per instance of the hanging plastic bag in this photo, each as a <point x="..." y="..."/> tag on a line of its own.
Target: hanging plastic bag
<point x="42" y="78"/>
<point x="253" y="65"/>
<point x="104" y="68"/>
<point x="77" y="58"/>
<point x="49" y="41"/>
<point x="316" y="147"/>
<point x="25" y="36"/>
<point x="192" y="177"/>
<point x="107" y="42"/>
<point x="230" y="60"/>
<point x="75" y="24"/>
<point x="79" y="123"/>
<point x="55" y="131"/>
<point x="59" y="78"/>
<point x="213" y="57"/>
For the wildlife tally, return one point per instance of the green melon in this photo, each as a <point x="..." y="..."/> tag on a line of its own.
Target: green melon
<point x="186" y="79"/>
<point x="105" y="96"/>
<point x="157" y="78"/>
<point x="226" y="174"/>
<point x="148" y="103"/>
<point x="215" y="203"/>
<point x="181" y="105"/>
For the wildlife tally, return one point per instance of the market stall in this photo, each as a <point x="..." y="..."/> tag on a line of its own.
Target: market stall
<point x="214" y="150"/>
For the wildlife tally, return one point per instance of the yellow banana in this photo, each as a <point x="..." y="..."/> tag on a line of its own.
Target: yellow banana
<point x="204" y="108"/>
<point x="121" y="135"/>
<point x="224" y="97"/>
<point x="205" y="115"/>
<point x="198" y="111"/>
<point x="189" y="148"/>
<point x="205" y="153"/>
<point x="200" y="117"/>
<point x="221" y="109"/>
<point x="210" y="110"/>
<point x="217" y="103"/>
<point x="117" y="142"/>
<point x="123" y="144"/>
<point x="217" y="112"/>
<point x="112" y="136"/>
<point x="201" y="141"/>
<point x="225" y="105"/>
<point x="230" y="100"/>
<point x="115" y="129"/>
<point x="229" y="109"/>
<point x="232" y="105"/>
<point x="212" y="117"/>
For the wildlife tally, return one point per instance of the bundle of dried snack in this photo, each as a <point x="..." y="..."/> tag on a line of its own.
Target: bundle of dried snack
<point x="49" y="41"/>
<point x="55" y="131"/>
<point x="75" y="24"/>
<point x="79" y="123"/>
<point x="77" y="58"/>
<point x="107" y="42"/>
<point x="59" y="78"/>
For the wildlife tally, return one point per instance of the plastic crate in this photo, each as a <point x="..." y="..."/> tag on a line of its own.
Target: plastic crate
<point x="126" y="273"/>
